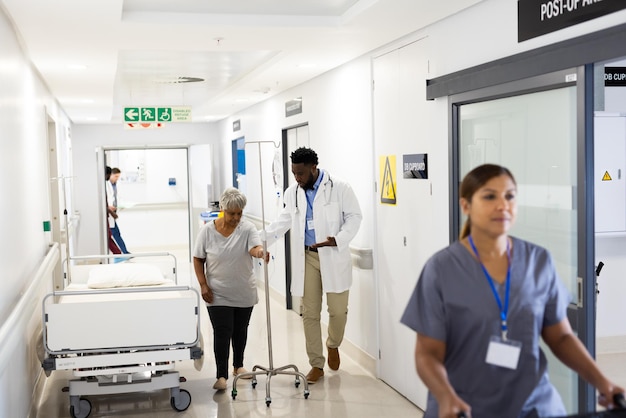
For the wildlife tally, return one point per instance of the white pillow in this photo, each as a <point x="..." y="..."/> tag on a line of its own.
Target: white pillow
<point x="124" y="275"/>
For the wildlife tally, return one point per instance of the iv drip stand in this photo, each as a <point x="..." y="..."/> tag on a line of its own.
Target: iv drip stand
<point x="269" y="371"/>
<point x="67" y="226"/>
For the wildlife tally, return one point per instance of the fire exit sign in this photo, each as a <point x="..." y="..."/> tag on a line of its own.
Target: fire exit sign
<point x="157" y="114"/>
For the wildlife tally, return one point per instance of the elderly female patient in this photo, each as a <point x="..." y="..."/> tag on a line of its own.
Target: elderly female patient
<point x="224" y="268"/>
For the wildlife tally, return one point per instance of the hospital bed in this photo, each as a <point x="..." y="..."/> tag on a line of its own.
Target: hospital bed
<point x="120" y="328"/>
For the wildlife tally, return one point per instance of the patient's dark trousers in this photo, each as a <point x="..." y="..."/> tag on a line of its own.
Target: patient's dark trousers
<point x="229" y="324"/>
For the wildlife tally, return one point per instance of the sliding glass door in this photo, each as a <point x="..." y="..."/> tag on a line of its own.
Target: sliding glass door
<point x="532" y="128"/>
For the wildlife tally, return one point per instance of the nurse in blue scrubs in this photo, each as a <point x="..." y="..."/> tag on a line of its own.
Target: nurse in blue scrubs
<point x="481" y="306"/>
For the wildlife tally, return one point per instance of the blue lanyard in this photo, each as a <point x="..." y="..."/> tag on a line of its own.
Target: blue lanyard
<point x="308" y="202"/>
<point x="503" y="309"/>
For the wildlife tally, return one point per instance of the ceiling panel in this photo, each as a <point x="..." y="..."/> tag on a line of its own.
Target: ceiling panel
<point x="99" y="56"/>
<point x="239" y="7"/>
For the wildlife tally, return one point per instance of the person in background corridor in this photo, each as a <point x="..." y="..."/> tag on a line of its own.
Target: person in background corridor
<point x="110" y="216"/>
<point x="112" y="199"/>
<point x="323" y="214"/>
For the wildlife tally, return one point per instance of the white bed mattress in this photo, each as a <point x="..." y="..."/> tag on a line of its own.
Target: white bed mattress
<point x="121" y="274"/>
<point x="132" y="318"/>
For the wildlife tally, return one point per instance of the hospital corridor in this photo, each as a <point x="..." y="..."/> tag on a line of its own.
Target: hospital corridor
<point x="405" y="184"/>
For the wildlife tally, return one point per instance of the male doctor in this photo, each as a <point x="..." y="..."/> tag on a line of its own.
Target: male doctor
<point x="324" y="216"/>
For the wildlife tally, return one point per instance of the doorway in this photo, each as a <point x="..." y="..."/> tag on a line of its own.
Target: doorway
<point x="239" y="163"/>
<point x="153" y="196"/>
<point x="60" y="203"/>
<point x="532" y="131"/>
<point x="610" y="214"/>
<point x="293" y="138"/>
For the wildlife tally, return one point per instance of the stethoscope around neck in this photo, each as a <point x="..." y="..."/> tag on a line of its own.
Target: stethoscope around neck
<point x="327" y="193"/>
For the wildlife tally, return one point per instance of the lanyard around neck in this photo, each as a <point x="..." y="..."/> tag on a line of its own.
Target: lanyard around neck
<point x="503" y="308"/>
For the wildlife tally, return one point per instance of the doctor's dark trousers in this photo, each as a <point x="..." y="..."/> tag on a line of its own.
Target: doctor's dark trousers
<point x="229" y="324"/>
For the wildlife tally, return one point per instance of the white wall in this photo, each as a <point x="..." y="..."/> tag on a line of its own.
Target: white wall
<point x="86" y="138"/>
<point x="25" y="190"/>
<point x="337" y="107"/>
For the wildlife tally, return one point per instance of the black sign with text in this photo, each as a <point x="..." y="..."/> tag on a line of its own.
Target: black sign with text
<point x="615" y="76"/>
<point x="415" y="166"/>
<point x="538" y="17"/>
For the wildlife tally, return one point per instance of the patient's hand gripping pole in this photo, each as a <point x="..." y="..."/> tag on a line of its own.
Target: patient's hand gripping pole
<point x="269" y="371"/>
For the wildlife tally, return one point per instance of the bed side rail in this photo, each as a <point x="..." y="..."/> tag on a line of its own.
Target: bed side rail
<point x="154" y="318"/>
<point x="129" y="256"/>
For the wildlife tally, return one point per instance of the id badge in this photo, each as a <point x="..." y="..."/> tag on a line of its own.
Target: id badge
<point x="503" y="353"/>
<point x="310" y="225"/>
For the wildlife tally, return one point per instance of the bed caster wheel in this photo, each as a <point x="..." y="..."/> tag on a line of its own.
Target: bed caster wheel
<point x="84" y="409"/>
<point x="306" y="394"/>
<point x="254" y="384"/>
<point x="182" y="401"/>
<point x="234" y="394"/>
<point x="297" y="383"/>
<point x="268" y="401"/>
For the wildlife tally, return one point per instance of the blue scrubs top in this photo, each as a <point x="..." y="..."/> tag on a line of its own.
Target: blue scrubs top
<point x="453" y="303"/>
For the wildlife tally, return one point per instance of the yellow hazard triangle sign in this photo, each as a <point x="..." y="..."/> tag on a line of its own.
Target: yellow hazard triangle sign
<point x="388" y="185"/>
<point x="606" y="176"/>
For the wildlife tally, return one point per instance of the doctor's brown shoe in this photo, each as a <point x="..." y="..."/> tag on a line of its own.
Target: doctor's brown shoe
<point x="333" y="358"/>
<point x="314" y="375"/>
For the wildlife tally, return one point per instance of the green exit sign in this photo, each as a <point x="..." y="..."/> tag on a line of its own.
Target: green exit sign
<point x="157" y="114"/>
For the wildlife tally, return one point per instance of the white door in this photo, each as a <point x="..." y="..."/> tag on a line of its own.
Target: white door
<point x="404" y="231"/>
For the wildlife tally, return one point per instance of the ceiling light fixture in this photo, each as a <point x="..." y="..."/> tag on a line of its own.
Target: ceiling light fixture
<point x="180" y="80"/>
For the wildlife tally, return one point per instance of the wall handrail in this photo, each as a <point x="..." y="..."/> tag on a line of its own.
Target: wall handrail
<point x="18" y="312"/>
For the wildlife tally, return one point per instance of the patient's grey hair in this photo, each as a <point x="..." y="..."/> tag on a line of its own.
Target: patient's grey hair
<point x="232" y="199"/>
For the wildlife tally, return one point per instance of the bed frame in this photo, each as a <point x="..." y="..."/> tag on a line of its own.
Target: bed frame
<point x="122" y="340"/>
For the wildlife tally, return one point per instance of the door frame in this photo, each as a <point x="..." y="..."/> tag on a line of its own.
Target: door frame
<point x="235" y="148"/>
<point x="286" y="176"/>
<point x="100" y="177"/>
<point x="581" y="311"/>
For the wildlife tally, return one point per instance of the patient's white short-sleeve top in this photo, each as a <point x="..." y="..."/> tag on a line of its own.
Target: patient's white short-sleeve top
<point x="229" y="268"/>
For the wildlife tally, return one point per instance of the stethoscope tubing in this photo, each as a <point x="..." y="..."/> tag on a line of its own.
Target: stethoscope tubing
<point x="332" y="184"/>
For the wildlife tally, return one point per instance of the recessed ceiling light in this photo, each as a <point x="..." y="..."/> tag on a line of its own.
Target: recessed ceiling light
<point x="179" y="80"/>
<point x="80" y="67"/>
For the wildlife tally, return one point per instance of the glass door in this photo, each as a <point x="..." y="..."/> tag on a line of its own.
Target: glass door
<point x="531" y="127"/>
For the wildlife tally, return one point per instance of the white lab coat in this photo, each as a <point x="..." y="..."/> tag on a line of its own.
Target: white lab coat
<point x="336" y="213"/>
<point x="110" y="197"/>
